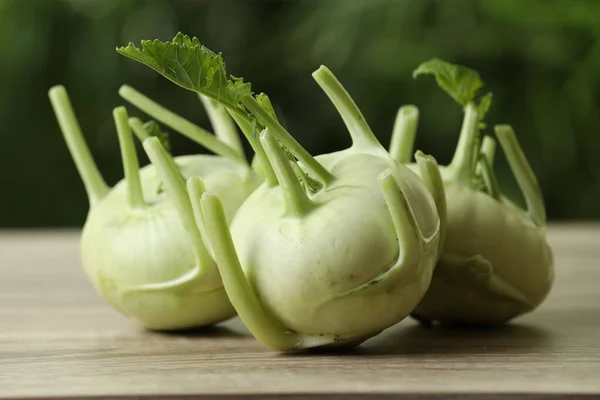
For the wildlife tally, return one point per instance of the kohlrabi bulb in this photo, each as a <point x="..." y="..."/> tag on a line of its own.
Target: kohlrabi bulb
<point x="334" y="259"/>
<point x="496" y="263"/>
<point x="140" y="246"/>
<point x="329" y="250"/>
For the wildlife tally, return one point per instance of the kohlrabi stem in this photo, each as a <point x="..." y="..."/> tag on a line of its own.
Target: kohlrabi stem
<point x="403" y="135"/>
<point x="486" y="172"/>
<point x="264" y="168"/>
<point x="409" y="235"/>
<point x="175" y="187"/>
<point x="297" y="201"/>
<point x="488" y="149"/>
<point x="523" y="173"/>
<point x="137" y="126"/>
<point x="361" y="133"/>
<point x="222" y="124"/>
<point x="95" y="185"/>
<point x="131" y="166"/>
<point x="431" y="176"/>
<point x="178" y="123"/>
<point x="463" y="162"/>
<point x="287" y="140"/>
<point x="267" y="329"/>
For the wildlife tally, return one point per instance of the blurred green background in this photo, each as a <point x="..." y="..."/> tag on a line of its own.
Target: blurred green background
<point x="541" y="60"/>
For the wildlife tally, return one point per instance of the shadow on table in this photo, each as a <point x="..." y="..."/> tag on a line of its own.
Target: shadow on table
<point x="408" y="338"/>
<point x="440" y="340"/>
<point x="202" y="332"/>
<point x="416" y="339"/>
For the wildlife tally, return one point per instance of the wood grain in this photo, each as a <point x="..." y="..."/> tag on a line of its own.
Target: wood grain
<point x="57" y="338"/>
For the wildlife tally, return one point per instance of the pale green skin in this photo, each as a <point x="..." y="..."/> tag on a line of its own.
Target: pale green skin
<point x="513" y="276"/>
<point x="325" y="269"/>
<point x="495" y="262"/>
<point x="140" y="245"/>
<point x="124" y="249"/>
<point x="333" y="270"/>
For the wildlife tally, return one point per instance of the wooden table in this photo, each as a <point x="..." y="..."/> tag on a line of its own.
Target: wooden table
<point x="57" y="338"/>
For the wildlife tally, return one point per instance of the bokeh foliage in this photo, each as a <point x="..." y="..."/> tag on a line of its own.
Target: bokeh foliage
<point x="541" y="60"/>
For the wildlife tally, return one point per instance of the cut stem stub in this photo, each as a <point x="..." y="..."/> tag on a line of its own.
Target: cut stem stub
<point x="362" y="135"/>
<point x="95" y="185"/>
<point x="131" y="166"/>
<point x="403" y="134"/>
<point x="523" y="173"/>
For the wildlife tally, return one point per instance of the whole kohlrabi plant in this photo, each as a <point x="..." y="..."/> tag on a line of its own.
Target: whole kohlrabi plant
<point x="329" y="250"/>
<point x="140" y="246"/>
<point x="496" y="263"/>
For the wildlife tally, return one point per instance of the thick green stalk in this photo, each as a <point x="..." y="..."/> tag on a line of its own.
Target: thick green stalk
<point x="137" y="126"/>
<point x="131" y="165"/>
<point x="431" y="176"/>
<point x="489" y="178"/>
<point x="488" y="152"/>
<point x="287" y="140"/>
<point x="263" y="166"/>
<point x="176" y="190"/>
<point x="178" y="123"/>
<point x="488" y="149"/>
<point x="523" y="173"/>
<point x="222" y="124"/>
<point x="361" y="133"/>
<point x="403" y="134"/>
<point x="410" y="240"/>
<point x="296" y="199"/>
<point x="463" y="162"/>
<point x="95" y="185"/>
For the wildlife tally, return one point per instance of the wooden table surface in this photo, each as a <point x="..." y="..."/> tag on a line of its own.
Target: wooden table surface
<point x="57" y="338"/>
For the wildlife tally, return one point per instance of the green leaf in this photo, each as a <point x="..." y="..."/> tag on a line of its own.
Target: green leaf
<point x="483" y="107"/>
<point x="189" y="64"/>
<point x="461" y="83"/>
<point x="153" y="130"/>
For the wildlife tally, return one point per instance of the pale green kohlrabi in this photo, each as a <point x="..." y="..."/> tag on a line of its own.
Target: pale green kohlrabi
<point x="496" y="263"/>
<point x="139" y="246"/>
<point x="331" y="250"/>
